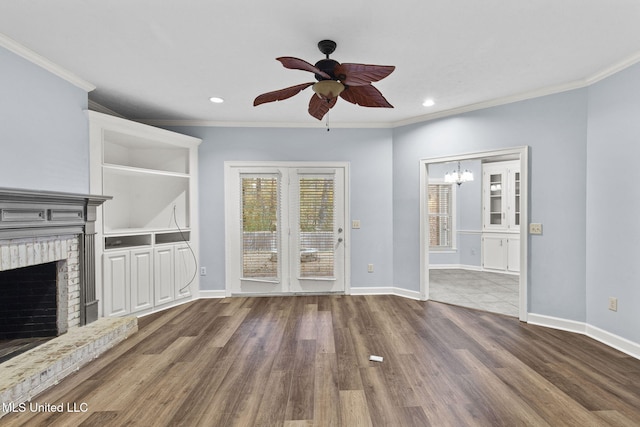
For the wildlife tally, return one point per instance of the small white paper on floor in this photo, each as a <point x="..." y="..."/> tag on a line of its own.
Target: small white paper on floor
<point x="375" y="358"/>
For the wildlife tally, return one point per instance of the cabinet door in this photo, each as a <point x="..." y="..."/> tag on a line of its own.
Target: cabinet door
<point x="494" y="201"/>
<point x="494" y="253"/>
<point x="141" y="279"/>
<point x="115" y="289"/>
<point x="185" y="270"/>
<point x="513" y="254"/>
<point x="163" y="275"/>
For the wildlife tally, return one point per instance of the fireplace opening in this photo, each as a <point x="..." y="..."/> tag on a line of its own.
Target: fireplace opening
<point x="29" y="312"/>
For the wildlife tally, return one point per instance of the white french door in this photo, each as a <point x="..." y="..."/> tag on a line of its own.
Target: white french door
<point x="285" y="228"/>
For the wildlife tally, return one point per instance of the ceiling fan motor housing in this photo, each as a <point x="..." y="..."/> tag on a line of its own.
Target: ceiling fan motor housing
<point x="328" y="66"/>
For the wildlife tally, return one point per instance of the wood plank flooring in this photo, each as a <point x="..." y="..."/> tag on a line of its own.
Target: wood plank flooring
<point x="304" y="361"/>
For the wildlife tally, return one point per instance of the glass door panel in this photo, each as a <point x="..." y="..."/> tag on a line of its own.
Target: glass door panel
<point x="317" y="231"/>
<point x="315" y="227"/>
<point x="259" y="227"/>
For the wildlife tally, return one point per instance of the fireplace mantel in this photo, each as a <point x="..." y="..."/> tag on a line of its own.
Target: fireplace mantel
<point x="29" y="214"/>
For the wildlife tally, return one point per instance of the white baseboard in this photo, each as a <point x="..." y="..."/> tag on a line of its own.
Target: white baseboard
<point x="212" y="294"/>
<point x="167" y="306"/>
<point x="622" y="344"/>
<point x="614" y="341"/>
<point x="454" y="267"/>
<point x="386" y="290"/>
<point x="557" y="323"/>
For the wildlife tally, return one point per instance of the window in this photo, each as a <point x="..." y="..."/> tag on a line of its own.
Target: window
<point x="441" y="201"/>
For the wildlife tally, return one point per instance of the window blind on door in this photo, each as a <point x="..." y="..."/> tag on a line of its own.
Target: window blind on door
<point x="260" y="200"/>
<point x="316" y="226"/>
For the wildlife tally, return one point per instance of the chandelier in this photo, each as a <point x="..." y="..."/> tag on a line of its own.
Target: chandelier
<point x="458" y="176"/>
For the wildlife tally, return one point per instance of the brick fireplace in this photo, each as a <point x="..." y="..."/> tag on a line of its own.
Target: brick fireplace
<point x="34" y="273"/>
<point x="40" y="229"/>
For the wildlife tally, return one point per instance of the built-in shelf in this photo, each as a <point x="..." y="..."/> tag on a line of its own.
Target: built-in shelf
<point x="131" y="231"/>
<point x="129" y="149"/>
<point x="180" y="236"/>
<point x="148" y="230"/>
<point x="119" y="242"/>
<point x="135" y="171"/>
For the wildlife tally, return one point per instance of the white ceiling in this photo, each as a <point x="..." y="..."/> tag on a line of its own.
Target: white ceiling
<point x="162" y="60"/>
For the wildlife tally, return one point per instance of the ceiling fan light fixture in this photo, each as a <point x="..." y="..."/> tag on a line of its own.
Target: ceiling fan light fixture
<point x="328" y="88"/>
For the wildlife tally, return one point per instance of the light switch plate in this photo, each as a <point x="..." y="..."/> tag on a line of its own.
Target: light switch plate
<point x="355" y="223"/>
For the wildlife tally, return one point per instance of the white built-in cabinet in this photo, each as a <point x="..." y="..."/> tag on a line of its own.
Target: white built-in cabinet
<point x="501" y="216"/>
<point x="146" y="244"/>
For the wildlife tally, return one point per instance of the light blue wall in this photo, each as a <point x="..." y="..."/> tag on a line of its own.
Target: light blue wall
<point x="555" y="129"/>
<point x="43" y="130"/>
<point x="613" y="204"/>
<point x="369" y="153"/>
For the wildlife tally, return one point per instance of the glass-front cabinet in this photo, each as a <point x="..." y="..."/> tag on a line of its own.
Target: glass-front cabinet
<point x="501" y="196"/>
<point x="501" y="216"/>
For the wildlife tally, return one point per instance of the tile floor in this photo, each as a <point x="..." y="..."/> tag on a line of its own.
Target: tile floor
<point x="494" y="292"/>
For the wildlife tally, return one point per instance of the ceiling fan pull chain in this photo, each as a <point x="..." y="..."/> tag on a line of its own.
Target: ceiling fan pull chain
<point x="328" y="128"/>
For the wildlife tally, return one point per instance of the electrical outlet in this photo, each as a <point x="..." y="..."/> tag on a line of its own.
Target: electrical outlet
<point x="370" y="268"/>
<point x="613" y="303"/>
<point x="535" y="228"/>
<point x="203" y="271"/>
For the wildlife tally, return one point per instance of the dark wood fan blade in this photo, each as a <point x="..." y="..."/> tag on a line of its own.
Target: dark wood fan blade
<point x="279" y="95"/>
<point x="318" y="107"/>
<point x="361" y="74"/>
<point x="300" y="64"/>
<point x="366" y="96"/>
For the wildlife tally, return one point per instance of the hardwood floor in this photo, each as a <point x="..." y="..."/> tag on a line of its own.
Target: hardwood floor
<point x="304" y="361"/>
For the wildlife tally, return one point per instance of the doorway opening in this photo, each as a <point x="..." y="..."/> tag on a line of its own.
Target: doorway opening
<point x="477" y="255"/>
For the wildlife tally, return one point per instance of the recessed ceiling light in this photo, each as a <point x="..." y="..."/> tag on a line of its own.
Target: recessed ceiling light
<point x="216" y="100"/>
<point x="429" y="103"/>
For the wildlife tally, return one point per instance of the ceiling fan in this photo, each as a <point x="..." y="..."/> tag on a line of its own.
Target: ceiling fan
<point x="352" y="82"/>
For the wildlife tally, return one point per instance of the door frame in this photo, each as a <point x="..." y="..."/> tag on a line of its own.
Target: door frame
<point x="521" y="153"/>
<point x="231" y="167"/>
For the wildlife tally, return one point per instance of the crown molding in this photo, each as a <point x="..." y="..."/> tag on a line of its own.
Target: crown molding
<point x="211" y="123"/>
<point x="94" y="106"/>
<point x="549" y="90"/>
<point x="44" y="63"/>
<point x="613" y="69"/>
